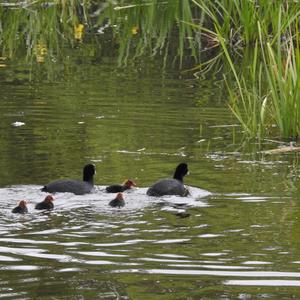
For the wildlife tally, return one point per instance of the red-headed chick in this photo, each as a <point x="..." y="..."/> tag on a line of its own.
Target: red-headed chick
<point x="46" y="204"/>
<point x="117" y="188"/>
<point x="21" y="208"/>
<point x="118" y="201"/>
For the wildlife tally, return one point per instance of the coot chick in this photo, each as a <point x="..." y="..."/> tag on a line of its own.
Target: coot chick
<point x="76" y="187"/>
<point x="118" y="201"/>
<point x="173" y="186"/>
<point x="117" y="188"/>
<point x="46" y="204"/>
<point x="21" y="208"/>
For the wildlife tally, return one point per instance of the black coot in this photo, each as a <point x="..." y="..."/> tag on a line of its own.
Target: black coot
<point x="173" y="186"/>
<point x="21" y="208"/>
<point x="46" y="204"/>
<point x="117" y="188"/>
<point x="76" y="187"/>
<point x="118" y="201"/>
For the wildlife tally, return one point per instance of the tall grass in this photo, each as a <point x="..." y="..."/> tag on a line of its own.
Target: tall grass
<point x="248" y="98"/>
<point x="154" y="27"/>
<point x="266" y="97"/>
<point x="151" y="27"/>
<point x="40" y="27"/>
<point x="282" y="70"/>
<point x="236" y="20"/>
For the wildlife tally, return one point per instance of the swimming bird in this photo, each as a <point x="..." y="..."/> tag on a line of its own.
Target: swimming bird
<point x="170" y="186"/>
<point x="21" y="208"/>
<point x="46" y="203"/>
<point x="118" y="201"/>
<point x="77" y="187"/>
<point x="117" y="188"/>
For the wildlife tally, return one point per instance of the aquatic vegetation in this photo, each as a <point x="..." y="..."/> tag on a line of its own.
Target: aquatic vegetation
<point x="155" y="27"/>
<point x="265" y="97"/>
<point x="247" y="97"/>
<point x="40" y="28"/>
<point x="236" y="21"/>
<point x="176" y="30"/>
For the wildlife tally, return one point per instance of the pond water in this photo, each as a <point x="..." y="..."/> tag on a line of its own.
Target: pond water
<point x="240" y="240"/>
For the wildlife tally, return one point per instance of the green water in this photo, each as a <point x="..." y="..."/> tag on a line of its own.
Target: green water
<point x="139" y="122"/>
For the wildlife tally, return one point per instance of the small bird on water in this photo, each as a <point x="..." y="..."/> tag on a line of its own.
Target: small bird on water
<point x="46" y="203"/>
<point x="118" y="201"/>
<point x="116" y="188"/>
<point x="21" y="208"/>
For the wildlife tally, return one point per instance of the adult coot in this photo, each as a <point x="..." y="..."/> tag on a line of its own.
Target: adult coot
<point x="46" y="204"/>
<point x="118" y="201"/>
<point x="76" y="187"/>
<point x="117" y="188"/>
<point x="173" y="186"/>
<point x="21" y="208"/>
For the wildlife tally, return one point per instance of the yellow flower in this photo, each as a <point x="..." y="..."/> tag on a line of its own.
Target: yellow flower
<point x="134" y="30"/>
<point x="41" y="52"/>
<point x="78" y="32"/>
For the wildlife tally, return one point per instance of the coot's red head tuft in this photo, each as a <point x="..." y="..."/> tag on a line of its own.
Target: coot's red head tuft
<point x="49" y="199"/>
<point x="23" y="203"/>
<point x="129" y="183"/>
<point x="119" y="197"/>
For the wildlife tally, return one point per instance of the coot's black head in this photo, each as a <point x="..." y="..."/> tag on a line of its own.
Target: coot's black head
<point x="181" y="171"/>
<point x="89" y="172"/>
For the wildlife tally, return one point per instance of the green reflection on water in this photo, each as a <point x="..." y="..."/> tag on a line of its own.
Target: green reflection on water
<point x="116" y="118"/>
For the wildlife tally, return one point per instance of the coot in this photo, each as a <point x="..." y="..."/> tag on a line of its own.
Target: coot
<point x="46" y="204"/>
<point x="117" y="188"/>
<point x="118" y="201"/>
<point x="21" y="208"/>
<point x="173" y="186"/>
<point x="76" y="187"/>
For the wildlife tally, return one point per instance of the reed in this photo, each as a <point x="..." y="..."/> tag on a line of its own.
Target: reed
<point x="236" y="20"/>
<point x="265" y="96"/>
<point x="282" y="69"/>
<point x="40" y="27"/>
<point x="155" y="28"/>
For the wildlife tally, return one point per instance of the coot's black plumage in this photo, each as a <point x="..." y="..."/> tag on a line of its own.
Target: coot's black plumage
<point x="21" y="208"/>
<point x="76" y="187"/>
<point x="118" y="201"/>
<point x="173" y="186"/>
<point x="46" y="204"/>
<point x="118" y="188"/>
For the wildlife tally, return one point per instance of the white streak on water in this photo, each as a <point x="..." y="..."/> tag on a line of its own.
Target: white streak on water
<point x="211" y="273"/>
<point x="277" y="283"/>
